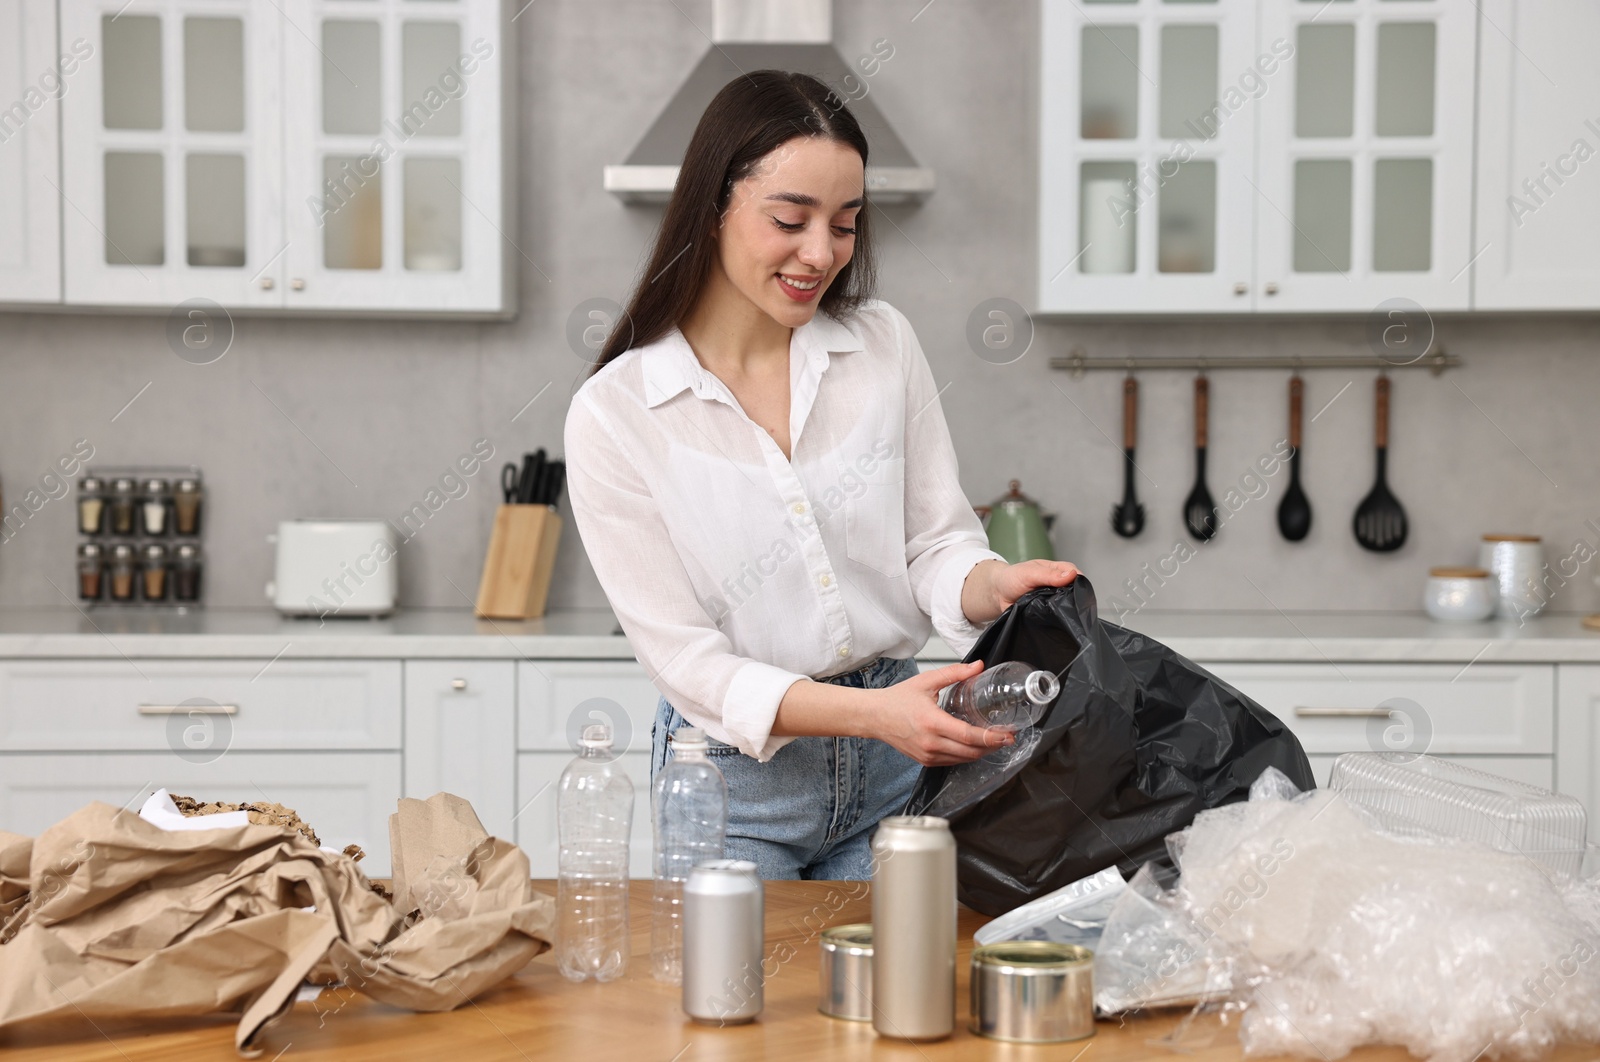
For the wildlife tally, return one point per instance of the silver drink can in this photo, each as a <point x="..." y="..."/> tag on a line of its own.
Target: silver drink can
<point x="914" y="928"/>
<point x="724" y="941"/>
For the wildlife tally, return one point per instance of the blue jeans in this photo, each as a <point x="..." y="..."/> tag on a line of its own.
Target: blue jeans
<point x="809" y="811"/>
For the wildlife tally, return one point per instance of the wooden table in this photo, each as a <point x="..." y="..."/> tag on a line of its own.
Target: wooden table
<point x="538" y="1015"/>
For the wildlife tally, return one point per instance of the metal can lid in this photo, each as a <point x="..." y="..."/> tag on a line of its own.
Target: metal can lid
<point x="188" y="486"/>
<point x="91" y="485"/>
<point x="915" y="822"/>
<point x="855" y="939"/>
<point x="155" y="486"/>
<point x="727" y="866"/>
<point x="1022" y="956"/>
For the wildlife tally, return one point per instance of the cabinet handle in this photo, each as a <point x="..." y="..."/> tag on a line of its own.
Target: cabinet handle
<point x="267" y="283"/>
<point x="185" y="709"/>
<point x="1241" y="288"/>
<point x="297" y="284"/>
<point x="1358" y="713"/>
<point x="458" y="684"/>
<point x="1272" y="287"/>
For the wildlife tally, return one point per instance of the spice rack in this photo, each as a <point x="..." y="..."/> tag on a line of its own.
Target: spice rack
<point x="139" y="531"/>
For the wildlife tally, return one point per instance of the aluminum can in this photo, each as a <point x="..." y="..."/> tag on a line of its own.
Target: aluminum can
<point x="846" y="972"/>
<point x="1033" y="991"/>
<point x="914" y="928"/>
<point x="724" y="941"/>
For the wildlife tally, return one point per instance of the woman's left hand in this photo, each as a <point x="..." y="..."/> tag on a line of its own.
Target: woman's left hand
<point x="998" y="585"/>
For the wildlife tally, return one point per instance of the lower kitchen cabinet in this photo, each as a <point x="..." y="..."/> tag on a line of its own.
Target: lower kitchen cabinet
<point x="538" y="774"/>
<point x="460" y="735"/>
<point x="1578" y="728"/>
<point x="347" y="797"/>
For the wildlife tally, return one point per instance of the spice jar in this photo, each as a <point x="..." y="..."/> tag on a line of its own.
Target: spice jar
<point x="122" y="571"/>
<point x="91" y="571"/>
<point x="186" y="573"/>
<point x="91" y="505"/>
<point x="186" y="506"/>
<point x="122" y="505"/>
<point x="153" y="507"/>
<point x="154" y="571"/>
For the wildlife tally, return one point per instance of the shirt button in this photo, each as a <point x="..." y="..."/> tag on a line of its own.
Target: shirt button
<point x="799" y="507"/>
<point x="844" y="650"/>
<point x="826" y="580"/>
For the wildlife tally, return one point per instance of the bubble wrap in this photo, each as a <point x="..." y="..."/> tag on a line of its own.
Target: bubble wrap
<point x="1334" y="934"/>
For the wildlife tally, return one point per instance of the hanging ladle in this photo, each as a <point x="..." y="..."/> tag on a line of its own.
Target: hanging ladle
<point x="1127" y="517"/>
<point x="1294" y="512"/>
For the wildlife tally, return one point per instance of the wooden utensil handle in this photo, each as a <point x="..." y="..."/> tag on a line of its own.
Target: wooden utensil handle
<point x="1130" y="413"/>
<point x="1202" y="392"/>
<point x="1381" y="421"/>
<point x="1296" y="398"/>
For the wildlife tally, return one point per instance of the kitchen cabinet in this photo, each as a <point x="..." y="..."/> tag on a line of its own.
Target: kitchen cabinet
<point x="1578" y="727"/>
<point x="538" y="774"/>
<point x="315" y="155"/>
<point x="1229" y="157"/>
<point x="34" y="73"/>
<point x="460" y="735"/>
<point x="1538" y="157"/>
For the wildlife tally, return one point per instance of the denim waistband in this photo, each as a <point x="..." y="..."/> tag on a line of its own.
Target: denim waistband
<point x="863" y="674"/>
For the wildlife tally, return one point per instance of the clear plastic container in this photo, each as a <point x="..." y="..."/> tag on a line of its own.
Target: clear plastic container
<point x="1010" y="696"/>
<point x="690" y="805"/>
<point x="1409" y="794"/>
<point x="594" y="813"/>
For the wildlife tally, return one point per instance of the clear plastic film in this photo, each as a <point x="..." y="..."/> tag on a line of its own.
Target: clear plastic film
<point x="1332" y="932"/>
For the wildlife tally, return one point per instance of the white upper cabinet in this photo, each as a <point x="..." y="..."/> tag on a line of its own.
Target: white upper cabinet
<point x="1234" y="155"/>
<point x="1539" y="156"/>
<point x="309" y="155"/>
<point x="1365" y="155"/>
<point x="1146" y="155"/>
<point x="33" y="75"/>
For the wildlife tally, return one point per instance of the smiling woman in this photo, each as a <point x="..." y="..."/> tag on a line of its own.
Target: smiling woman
<point x="753" y="394"/>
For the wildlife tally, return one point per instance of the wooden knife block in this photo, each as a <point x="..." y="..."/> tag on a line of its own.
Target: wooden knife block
<point x="521" y="558"/>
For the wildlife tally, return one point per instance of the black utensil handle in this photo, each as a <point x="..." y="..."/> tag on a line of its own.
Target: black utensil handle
<point x="1202" y="403"/>
<point x="1381" y="420"/>
<point x="1296" y="410"/>
<point x="558" y="479"/>
<point x="1130" y="413"/>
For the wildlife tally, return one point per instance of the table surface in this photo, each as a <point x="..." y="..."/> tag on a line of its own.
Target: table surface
<point x="539" y="1015"/>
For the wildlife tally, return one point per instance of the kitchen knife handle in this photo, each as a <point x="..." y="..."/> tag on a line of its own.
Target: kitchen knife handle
<point x="1382" y="418"/>
<point x="1130" y="413"/>
<point x="1296" y="399"/>
<point x="1202" y="403"/>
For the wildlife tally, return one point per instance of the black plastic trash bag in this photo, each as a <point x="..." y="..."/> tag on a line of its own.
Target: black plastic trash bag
<point x="1138" y="742"/>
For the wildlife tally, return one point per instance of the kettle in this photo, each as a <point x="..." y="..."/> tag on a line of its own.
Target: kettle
<point x="1018" y="530"/>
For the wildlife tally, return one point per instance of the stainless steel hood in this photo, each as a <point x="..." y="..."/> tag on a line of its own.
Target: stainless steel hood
<point x="756" y="35"/>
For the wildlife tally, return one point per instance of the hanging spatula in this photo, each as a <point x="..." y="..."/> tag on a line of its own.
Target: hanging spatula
<point x="1380" y="522"/>
<point x="1127" y="518"/>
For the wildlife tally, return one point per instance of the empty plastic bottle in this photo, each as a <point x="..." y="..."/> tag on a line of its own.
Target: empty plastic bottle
<point x="690" y="803"/>
<point x="594" y="813"/>
<point x="1010" y="696"/>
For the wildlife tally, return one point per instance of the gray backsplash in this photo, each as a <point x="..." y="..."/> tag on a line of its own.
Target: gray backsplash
<point x="362" y="418"/>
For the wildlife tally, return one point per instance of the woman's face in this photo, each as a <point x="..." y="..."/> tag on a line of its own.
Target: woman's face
<point x="790" y="226"/>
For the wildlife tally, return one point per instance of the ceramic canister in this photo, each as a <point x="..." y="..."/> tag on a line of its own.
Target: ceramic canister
<point x="1516" y="563"/>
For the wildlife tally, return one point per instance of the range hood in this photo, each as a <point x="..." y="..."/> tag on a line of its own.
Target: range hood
<point x="757" y="35"/>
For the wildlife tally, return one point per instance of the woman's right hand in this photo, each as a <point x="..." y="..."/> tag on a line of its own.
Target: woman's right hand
<point x="907" y="715"/>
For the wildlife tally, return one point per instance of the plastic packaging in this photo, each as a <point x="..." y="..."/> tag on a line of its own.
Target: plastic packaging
<point x="1410" y="794"/>
<point x="1073" y="914"/>
<point x="690" y="810"/>
<point x="1008" y="696"/>
<point x="594" y="814"/>
<point x="1138" y="741"/>
<point x="1333" y="933"/>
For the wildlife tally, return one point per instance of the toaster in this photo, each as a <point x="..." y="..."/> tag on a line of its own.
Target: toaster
<point x="341" y="567"/>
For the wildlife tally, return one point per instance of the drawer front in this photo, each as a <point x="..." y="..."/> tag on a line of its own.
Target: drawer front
<point x="461" y="735"/>
<point x="199" y="709"/>
<point x="556" y="698"/>
<point x="347" y="797"/>
<point x="538" y="777"/>
<point x="1441" y="709"/>
<point x="1534" y="770"/>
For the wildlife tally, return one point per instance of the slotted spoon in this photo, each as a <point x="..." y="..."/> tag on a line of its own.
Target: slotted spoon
<point x="1380" y="522"/>
<point x="1199" y="511"/>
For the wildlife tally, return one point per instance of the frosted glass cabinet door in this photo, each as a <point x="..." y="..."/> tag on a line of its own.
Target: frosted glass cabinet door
<point x="1365" y="164"/>
<point x="396" y="198"/>
<point x="1539" y="157"/>
<point x="172" y="153"/>
<point x="1147" y="122"/>
<point x="33" y="73"/>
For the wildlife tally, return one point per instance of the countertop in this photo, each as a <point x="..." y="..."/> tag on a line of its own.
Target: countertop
<point x="539" y="1015"/>
<point x="1303" y="637"/>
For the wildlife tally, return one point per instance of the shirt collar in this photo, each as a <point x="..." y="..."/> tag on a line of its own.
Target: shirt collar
<point x="669" y="365"/>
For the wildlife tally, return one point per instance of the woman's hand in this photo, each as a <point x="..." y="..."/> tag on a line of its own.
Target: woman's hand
<point x="907" y="715"/>
<point x="994" y="586"/>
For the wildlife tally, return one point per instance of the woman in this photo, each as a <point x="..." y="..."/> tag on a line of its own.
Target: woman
<point x="763" y="479"/>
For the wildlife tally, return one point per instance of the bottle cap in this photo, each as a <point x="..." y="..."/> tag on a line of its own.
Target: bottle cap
<point x="596" y="736"/>
<point x="1041" y="687"/>
<point x="689" y="739"/>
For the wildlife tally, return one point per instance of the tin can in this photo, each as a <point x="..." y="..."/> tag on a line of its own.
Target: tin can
<point x="846" y="972"/>
<point x="723" y="942"/>
<point x="1033" y="991"/>
<point x="914" y="928"/>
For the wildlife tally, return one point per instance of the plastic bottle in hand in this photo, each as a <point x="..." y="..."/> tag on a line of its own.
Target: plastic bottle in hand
<point x="594" y="813"/>
<point x="691" y="817"/>
<point x="1010" y="696"/>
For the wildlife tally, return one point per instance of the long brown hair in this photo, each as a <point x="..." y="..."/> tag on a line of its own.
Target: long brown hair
<point x="752" y="115"/>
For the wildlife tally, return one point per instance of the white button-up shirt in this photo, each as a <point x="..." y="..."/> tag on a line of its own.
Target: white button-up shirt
<point x="736" y="572"/>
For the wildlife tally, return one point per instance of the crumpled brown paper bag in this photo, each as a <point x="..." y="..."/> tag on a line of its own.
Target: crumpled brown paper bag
<point x="108" y="915"/>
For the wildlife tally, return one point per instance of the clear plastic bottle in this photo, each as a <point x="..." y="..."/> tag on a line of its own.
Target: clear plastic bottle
<point x="690" y="803"/>
<point x="594" y="813"/>
<point x="1011" y="696"/>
